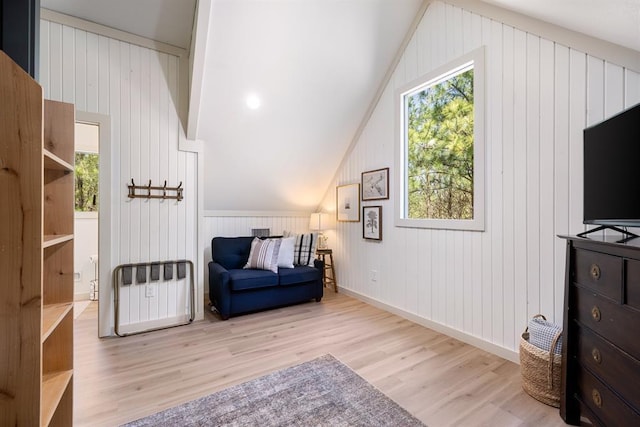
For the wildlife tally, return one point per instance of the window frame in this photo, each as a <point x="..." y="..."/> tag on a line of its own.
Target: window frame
<point x="476" y="58"/>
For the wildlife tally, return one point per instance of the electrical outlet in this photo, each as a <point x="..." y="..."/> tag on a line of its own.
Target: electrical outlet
<point x="77" y="276"/>
<point x="373" y="275"/>
<point x="150" y="291"/>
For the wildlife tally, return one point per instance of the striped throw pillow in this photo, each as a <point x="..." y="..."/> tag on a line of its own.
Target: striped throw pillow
<point x="304" y="250"/>
<point x="264" y="254"/>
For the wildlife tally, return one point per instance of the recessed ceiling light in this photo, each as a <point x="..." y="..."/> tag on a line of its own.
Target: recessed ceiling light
<point x="253" y="101"/>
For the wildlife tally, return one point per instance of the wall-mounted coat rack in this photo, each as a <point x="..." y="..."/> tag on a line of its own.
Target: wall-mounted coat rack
<point x="145" y="191"/>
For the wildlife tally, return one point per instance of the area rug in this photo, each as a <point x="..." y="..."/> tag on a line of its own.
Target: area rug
<point x="321" y="392"/>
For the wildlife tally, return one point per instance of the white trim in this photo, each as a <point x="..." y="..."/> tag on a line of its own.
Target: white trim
<point x="201" y="286"/>
<point x="106" y="250"/>
<point x="477" y="57"/>
<point x="438" y="327"/>
<point x="103" y="30"/>
<point x="192" y="146"/>
<point x="602" y="49"/>
<point x="197" y="61"/>
<point x="221" y="213"/>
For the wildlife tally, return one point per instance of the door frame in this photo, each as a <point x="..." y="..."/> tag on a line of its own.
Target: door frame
<point x="105" y="248"/>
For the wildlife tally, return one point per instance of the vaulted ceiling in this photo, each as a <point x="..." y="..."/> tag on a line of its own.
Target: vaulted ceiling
<point x="314" y="67"/>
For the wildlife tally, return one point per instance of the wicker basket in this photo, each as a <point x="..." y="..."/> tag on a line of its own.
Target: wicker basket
<point x="541" y="370"/>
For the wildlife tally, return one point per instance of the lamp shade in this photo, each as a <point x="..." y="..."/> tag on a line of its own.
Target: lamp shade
<point x="319" y="221"/>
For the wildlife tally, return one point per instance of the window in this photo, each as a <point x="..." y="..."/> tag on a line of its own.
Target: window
<point x="86" y="173"/>
<point x="87" y="144"/>
<point x="441" y="147"/>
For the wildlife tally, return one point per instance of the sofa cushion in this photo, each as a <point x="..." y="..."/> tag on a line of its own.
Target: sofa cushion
<point x="244" y="279"/>
<point x="231" y="252"/>
<point x="304" y="251"/>
<point x="299" y="274"/>
<point x="285" y="256"/>
<point x="264" y="254"/>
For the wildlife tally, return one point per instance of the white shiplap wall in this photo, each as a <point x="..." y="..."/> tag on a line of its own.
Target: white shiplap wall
<point x="483" y="286"/>
<point x="140" y="89"/>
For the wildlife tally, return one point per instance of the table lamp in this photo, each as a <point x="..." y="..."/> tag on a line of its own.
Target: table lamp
<point x="319" y="222"/>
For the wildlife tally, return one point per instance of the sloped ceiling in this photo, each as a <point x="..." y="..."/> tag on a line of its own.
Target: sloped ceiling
<point x="167" y="21"/>
<point x="616" y="21"/>
<point x="315" y="66"/>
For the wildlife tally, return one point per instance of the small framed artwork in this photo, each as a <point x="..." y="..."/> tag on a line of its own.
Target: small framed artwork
<point x="348" y="203"/>
<point x="375" y="184"/>
<point x="372" y="222"/>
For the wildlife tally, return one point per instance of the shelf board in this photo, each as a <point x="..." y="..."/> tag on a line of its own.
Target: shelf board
<point x="53" y="387"/>
<point x="55" y="239"/>
<point x="51" y="161"/>
<point x="52" y="315"/>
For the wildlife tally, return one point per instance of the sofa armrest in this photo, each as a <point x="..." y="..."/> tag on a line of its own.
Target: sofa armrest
<point x="319" y="264"/>
<point x="219" y="289"/>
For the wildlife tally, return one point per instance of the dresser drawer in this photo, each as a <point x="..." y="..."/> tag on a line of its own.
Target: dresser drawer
<point x="614" y="321"/>
<point x="610" y="364"/>
<point x="603" y="403"/>
<point x="632" y="284"/>
<point x="599" y="272"/>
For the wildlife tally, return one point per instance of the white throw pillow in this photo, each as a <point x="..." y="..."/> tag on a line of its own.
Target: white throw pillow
<point x="264" y="254"/>
<point x="285" y="255"/>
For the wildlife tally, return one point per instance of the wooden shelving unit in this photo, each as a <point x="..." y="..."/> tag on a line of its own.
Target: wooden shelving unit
<point x="57" y="264"/>
<point x="36" y="237"/>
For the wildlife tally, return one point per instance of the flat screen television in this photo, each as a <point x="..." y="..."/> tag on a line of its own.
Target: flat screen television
<point x="612" y="171"/>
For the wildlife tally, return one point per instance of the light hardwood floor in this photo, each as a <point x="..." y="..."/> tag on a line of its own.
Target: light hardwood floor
<point x="440" y="380"/>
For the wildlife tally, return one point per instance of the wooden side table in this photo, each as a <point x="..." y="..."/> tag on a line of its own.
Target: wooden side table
<point x="328" y="267"/>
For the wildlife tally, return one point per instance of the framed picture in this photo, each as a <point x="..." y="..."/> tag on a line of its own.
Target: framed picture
<point x="372" y="222"/>
<point x="348" y="203"/>
<point x="375" y="184"/>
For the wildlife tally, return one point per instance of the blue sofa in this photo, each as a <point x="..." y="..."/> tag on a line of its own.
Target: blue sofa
<point x="234" y="290"/>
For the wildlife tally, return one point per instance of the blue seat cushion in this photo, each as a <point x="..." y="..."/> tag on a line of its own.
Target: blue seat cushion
<point x="242" y="279"/>
<point x="297" y="275"/>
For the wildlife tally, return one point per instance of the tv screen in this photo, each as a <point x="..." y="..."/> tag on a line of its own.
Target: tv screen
<point x="612" y="170"/>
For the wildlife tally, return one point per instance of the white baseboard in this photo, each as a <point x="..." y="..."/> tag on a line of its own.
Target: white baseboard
<point x="454" y="333"/>
<point x="153" y="324"/>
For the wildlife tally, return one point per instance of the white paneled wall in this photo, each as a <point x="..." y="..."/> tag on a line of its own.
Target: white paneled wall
<point x="139" y="89"/>
<point x="540" y="96"/>
<point x="240" y="224"/>
<point x="217" y="225"/>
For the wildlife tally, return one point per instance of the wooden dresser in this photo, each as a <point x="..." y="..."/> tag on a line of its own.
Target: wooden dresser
<point x="601" y="348"/>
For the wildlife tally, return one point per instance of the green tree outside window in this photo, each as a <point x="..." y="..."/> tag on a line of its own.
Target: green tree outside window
<point x="86" y="173"/>
<point x="440" y="139"/>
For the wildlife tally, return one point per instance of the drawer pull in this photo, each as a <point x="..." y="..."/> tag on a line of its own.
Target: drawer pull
<point x="595" y="271"/>
<point x="595" y="313"/>
<point x="597" y="399"/>
<point x="597" y="357"/>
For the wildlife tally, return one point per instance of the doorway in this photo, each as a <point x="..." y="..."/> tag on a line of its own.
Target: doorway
<point x="94" y="256"/>
<point x="87" y="173"/>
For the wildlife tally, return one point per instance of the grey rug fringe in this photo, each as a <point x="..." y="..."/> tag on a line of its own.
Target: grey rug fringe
<point x="321" y="392"/>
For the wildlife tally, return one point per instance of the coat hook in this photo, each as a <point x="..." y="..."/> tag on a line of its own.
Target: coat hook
<point x="132" y="189"/>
